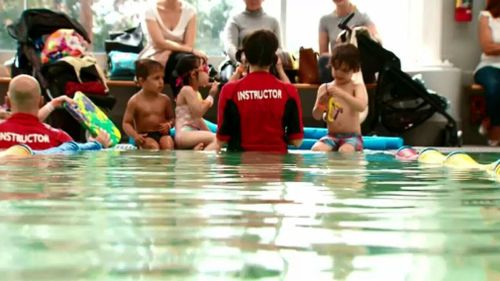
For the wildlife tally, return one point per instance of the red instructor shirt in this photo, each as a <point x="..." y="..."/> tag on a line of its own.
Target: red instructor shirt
<point x="259" y="113"/>
<point x="22" y="128"/>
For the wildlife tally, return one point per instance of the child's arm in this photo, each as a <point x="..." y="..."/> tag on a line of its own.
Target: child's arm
<point x="321" y="104"/>
<point x="128" y="122"/>
<point x="240" y="70"/>
<point x="169" y="116"/>
<point x="281" y="72"/>
<point x="199" y="107"/>
<point x="358" y="101"/>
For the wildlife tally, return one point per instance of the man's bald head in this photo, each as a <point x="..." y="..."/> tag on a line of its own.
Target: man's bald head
<point x="24" y="94"/>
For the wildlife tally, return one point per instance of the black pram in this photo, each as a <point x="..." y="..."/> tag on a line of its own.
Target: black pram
<point x="28" y="31"/>
<point x="400" y="103"/>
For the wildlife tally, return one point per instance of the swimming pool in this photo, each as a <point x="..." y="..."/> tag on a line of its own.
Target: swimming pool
<point x="188" y="215"/>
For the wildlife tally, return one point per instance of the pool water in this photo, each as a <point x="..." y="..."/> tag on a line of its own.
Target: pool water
<point x="188" y="215"/>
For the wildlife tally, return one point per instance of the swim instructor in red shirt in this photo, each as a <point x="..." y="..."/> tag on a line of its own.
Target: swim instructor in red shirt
<point x="23" y="126"/>
<point x="259" y="112"/>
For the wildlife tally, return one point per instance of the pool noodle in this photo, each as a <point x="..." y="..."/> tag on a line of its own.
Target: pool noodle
<point x="312" y="135"/>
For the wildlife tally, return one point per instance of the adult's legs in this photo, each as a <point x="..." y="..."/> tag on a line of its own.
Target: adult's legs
<point x="325" y="71"/>
<point x="489" y="78"/>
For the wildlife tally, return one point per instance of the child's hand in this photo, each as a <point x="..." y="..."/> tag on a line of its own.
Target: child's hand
<point x="324" y="96"/>
<point x="241" y="69"/>
<point x="4" y="114"/>
<point x="165" y="128"/>
<point x="334" y="90"/>
<point x="214" y="90"/>
<point x="102" y="138"/>
<point x="140" y="140"/>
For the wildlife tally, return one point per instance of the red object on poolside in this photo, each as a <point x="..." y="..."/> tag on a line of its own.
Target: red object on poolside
<point x="463" y="14"/>
<point x="406" y="153"/>
<point x="92" y="87"/>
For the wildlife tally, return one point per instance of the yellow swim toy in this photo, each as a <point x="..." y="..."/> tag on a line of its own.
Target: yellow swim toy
<point x="18" y="150"/>
<point x="334" y="109"/>
<point x="460" y="160"/>
<point x="431" y="156"/>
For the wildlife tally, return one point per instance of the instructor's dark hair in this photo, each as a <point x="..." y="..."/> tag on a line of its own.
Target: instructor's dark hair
<point x="260" y="48"/>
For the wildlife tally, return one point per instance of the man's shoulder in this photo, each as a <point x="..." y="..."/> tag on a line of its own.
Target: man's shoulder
<point x="51" y="129"/>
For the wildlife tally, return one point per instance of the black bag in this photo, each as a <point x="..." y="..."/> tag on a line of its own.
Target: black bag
<point x="128" y="41"/>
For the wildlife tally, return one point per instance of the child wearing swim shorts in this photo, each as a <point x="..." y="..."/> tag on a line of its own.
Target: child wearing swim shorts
<point x="149" y="114"/>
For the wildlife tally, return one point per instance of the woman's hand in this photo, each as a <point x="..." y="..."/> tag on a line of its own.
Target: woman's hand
<point x="200" y="54"/>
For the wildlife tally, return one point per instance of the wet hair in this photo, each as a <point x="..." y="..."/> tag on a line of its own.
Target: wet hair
<point x="181" y="75"/>
<point x="144" y="68"/>
<point x="260" y="48"/>
<point x="493" y="7"/>
<point x="346" y="54"/>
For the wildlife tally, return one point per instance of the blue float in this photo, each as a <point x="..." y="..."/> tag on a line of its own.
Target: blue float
<point x="313" y="134"/>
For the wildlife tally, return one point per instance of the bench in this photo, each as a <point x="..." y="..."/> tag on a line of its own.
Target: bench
<point x="477" y="104"/>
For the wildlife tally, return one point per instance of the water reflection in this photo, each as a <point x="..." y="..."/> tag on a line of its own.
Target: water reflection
<point x="188" y="215"/>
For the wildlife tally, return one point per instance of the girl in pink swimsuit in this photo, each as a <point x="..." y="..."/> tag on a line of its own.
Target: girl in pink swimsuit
<point x="190" y="129"/>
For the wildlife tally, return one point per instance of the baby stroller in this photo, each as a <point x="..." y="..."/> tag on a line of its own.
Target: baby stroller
<point x="28" y="31"/>
<point x="400" y="103"/>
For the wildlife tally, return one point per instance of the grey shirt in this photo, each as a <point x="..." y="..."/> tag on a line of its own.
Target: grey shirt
<point x="329" y="24"/>
<point x="240" y="25"/>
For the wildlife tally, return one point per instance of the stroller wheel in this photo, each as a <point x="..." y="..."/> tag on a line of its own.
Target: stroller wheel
<point x="452" y="136"/>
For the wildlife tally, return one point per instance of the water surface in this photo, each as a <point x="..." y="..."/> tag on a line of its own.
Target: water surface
<point x="200" y="216"/>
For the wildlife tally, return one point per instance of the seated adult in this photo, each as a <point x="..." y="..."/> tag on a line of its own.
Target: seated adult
<point x="242" y="24"/>
<point x="171" y="29"/>
<point x="329" y="32"/>
<point x="23" y="126"/>
<point x="488" y="71"/>
<point x="259" y="112"/>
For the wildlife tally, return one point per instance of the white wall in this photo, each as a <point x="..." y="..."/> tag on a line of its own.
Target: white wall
<point x="460" y="40"/>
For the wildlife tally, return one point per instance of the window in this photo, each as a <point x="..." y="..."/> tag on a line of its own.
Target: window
<point x="9" y="12"/>
<point x="402" y="32"/>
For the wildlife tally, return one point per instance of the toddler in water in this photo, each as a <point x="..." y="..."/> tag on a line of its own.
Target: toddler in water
<point x="340" y="103"/>
<point x="191" y="74"/>
<point x="149" y="114"/>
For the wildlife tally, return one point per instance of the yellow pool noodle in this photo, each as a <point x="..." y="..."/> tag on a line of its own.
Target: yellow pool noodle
<point x="16" y="151"/>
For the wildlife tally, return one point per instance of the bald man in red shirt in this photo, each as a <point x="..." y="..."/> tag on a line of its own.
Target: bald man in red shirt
<point x="23" y="126"/>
